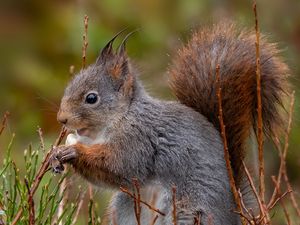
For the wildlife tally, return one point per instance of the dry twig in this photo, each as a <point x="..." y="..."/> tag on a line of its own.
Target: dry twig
<point x="124" y="190"/>
<point x="30" y="204"/>
<point x="42" y="143"/>
<point x="4" y="120"/>
<point x="154" y="220"/>
<point x="286" y="213"/>
<point x="41" y="172"/>
<point x="174" y="205"/>
<point x="258" y="199"/>
<point x="282" y="154"/>
<point x="197" y="219"/>
<point x="79" y="206"/>
<point x="114" y="217"/>
<point x="137" y="201"/>
<point x="259" y="111"/>
<point x="72" y="70"/>
<point x="223" y="134"/>
<point x="63" y="194"/>
<point x="85" y="42"/>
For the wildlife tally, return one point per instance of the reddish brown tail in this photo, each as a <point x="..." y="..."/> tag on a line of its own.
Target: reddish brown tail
<point x="192" y="77"/>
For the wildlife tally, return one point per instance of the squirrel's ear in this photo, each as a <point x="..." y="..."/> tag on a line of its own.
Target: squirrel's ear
<point x="120" y="68"/>
<point x="107" y="51"/>
<point x="122" y="75"/>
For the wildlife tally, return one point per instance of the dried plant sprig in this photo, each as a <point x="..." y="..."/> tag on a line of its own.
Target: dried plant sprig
<point x="174" y="205"/>
<point x="226" y="152"/>
<point x="137" y="201"/>
<point x="63" y="194"/>
<point x="247" y="215"/>
<point x="91" y="206"/>
<point x="197" y="219"/>
<point x="257" y="196"/>
<point x="4" y="121"/>
<point x="79" y="206"/>
<point x="280" y="197"/>
<point x="30" y="204"/>
<point x="259" y="110"/>
<point x="284" y="170"/>
<point x="41" y="172"/>
<point x="154" y="220"/>
<point x="85" y="42"/>
<point x="114" y="217"/>
<point x="124" y="190"/>
<point x="283" y="153"/>
<point x="72" y="70"/>
<point x="84" y="48"/>
<point x="42" y="142"/>
<point x="286" y="213"/>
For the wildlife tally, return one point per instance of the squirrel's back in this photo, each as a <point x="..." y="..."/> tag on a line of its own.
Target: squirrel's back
<point x="193" y="79"/>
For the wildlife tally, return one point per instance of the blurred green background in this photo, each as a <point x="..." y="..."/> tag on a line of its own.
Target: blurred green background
<point x="39" y="40"/>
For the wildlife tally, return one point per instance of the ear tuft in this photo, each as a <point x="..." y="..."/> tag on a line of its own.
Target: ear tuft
<point x="107" y="51"/>
<point x="122" y="47"/>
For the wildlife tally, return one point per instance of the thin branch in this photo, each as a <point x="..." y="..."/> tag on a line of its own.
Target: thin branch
<point x="30" y="204"/>
<point x="279" y="198"/>
<point x="174" y="205"/>
<point x="261" y="207"/>
<point x="42" y="143"/>
<point x="72" y="70"/>
<point x="114" y="217"/>
<point x="242" y="215"/>
<point x="41" y="172"/>
<point x="137" y="201"/>
<point x="286" y="179"/>
<point x="286" y="213"/>
<point x="91" y="204"/>
<point x="63" y="194"/>
<point x="259" y="112"/>
<point x="4" y="121"/>
<point x="210" y="220"/>
<point x="244" y="207"/>
<point x="197" y="219"/>
<point x="283" y="153"/>
<point x="85" y="42"/>
<point x="154" y="220"/>
<point x="292" y="196"/>
<point x="153" y="202"/>
<point x="223" y="134"/>
<point x="79" y="206"/>
<point x="124" y="190"/>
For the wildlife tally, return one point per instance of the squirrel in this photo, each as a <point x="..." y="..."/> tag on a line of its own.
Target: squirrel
<point x="123" y="133"/>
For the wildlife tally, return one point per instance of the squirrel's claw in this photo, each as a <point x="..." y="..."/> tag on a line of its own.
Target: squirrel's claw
<point x="62" y="155"/>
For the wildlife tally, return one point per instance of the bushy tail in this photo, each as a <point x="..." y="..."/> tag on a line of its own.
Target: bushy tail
<point x="193" y="79"/>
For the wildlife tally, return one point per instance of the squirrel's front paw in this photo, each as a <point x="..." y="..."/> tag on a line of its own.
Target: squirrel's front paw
<point x="61" y="155"/>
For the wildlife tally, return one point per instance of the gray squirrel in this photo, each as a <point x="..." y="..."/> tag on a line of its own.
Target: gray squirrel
<point x="123" y="133"/>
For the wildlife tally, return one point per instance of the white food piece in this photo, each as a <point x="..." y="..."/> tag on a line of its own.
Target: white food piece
<point x="71" y="139"/>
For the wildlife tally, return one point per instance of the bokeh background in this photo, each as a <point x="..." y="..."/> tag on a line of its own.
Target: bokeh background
<point x="40" y="40"/>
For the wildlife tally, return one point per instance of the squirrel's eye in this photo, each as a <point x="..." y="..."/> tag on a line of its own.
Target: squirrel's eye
<point x="91" y="98"/>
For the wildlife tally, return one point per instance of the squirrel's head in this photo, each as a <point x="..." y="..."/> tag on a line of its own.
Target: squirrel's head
<point x="100" y="94"/>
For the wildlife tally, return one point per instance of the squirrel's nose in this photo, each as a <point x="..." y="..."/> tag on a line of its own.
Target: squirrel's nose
<point x="62" y="117"/>
<point x="63" y="121"/>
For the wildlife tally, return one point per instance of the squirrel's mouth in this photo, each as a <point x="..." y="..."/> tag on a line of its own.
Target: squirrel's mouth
<point x="83" y="132"/>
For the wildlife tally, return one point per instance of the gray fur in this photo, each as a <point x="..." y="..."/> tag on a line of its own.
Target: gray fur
<point x="171" y="144"/>
<point x="158" y="142"/>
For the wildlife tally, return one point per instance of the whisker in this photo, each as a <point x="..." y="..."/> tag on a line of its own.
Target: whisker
<point x="53" y="104"/>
